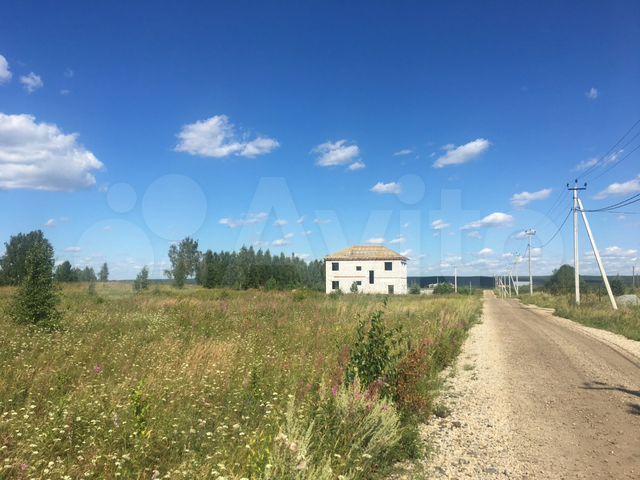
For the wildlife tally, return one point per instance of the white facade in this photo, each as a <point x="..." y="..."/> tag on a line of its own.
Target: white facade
<point x="371" y="276"/>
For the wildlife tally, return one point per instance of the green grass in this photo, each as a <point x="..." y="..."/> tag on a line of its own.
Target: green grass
<point x="593" y="311"/>
<point x="198" y="383"/>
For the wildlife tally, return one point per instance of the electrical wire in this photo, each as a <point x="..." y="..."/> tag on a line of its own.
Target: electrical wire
<point x="558" y="230"/>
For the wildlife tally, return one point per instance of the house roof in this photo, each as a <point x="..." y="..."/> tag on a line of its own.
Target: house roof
<point x="366" y="252"/>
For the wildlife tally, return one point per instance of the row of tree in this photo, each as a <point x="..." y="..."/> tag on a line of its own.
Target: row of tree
<point x="244" y="269"/>
<point x="13" y="264"/>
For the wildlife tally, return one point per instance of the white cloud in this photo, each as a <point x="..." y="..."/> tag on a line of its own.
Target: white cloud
<point x="31" y="82"/>
<point x="592" y="94"/>
<point x="439" y="224"/>
<point x="280" y="223"/>
<point x="462" y="154"/>
<point x="281" y="242"/>
<point x="73" y="249"/>
<point x="405" y="225"/>
<point x="38" y="156"/>
<point x="495" y="219"/>
<point x="406" y="253"/>
<point x="68" y="73"/>
<point x="354" y="167"/>
<point x="321" y="221"/>
<point x="248" y="219"/>
<point x="51" y="223"/>
<point x="585" y="164"/>
<point x="337" y="153"/>
<point x="216" y="137"/>
<point x="617" y="252"/>
<point x="474" y="234"/>
<point x="398" y="240"/>
<point x="5" y="72"/>
<point x="307" y="232"/>
<point x="300" y="221"/>
<point x="288" y="236"/>
<point x="64" y="91"/>
<point x="376" y="240"/>
<point x="486" y="252"/>
<point x="404" y="151"/>
<point x="391" y="187"/>
<point x="525" y="198"/>
<point x="624" y="188"/>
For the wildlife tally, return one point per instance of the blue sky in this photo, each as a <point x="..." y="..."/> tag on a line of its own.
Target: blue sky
<point x="309" y="126"/>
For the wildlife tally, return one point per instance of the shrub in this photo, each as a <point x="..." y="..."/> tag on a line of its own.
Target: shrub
<point x="354" y="287"/>
<point x="414" y="289"/>
<point x="376" y="352"/>
<point x="617" y="286"/>
<point x="443" y="288"/>
<point x="142" y="280"/>
<point x="36" y="299"/>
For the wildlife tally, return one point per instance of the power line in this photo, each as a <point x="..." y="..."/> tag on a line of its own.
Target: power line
<point x="559" y="228"/>
<point x="599" y="162"/>
<point x="622" y="203"/>
<point x="616" y="162"/>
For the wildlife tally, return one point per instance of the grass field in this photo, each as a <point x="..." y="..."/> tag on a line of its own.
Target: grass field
<point x="201" y="383"/>
<point x="594" y="311"/>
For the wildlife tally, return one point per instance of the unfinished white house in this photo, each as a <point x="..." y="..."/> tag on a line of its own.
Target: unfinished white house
<point x="373" y="269"/>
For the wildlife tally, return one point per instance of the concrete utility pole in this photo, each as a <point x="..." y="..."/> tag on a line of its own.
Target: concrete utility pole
<point x="576" y="255"/>
<point x="529" y="233"/>
<point x="455" y="279"/>
<point x="605" y="279"/>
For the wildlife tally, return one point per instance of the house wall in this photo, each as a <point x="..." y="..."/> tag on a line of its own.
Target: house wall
<point x="347" y="274"/>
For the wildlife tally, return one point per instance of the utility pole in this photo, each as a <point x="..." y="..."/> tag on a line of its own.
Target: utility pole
<point x="576" y="260"/>
<point x="455" y="279"/>
<point x="529" y="233"/>
<point x="605" y="279"/>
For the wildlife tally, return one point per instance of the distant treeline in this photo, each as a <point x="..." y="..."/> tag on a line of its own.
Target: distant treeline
<point x="244" y="269"/>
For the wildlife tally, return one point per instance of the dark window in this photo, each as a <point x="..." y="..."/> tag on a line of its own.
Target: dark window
<point x="358" y="282"/>
<point x="390" y="289"/>
<point x="370" y="276"/>
<point x="335" y="285"/>
<point x="388" y="265"/>
<point x="335" y="266"/>
<point x="358" y="268"/>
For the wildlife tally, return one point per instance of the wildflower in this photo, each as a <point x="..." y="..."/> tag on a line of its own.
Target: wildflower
<point x="24" y="466"/>
<point x="97" y="370"/>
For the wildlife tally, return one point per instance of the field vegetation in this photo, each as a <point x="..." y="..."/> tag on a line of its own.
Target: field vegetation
<point x="213" y="383"/>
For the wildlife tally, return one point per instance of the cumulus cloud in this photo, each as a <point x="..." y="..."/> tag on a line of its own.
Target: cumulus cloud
<point x="439" y="224"/>
<point x="354" y="167"/>
<point x="495" y="219"/>
<point x="485" y="252"/>
<point x="332" y="154"/>
<point x="376" y="240"/>
<point x="525" y="198"/>
<point x="398" y="240"/>
<point x="321" y="221"/>
<point x="624" y="188"/>
<point x="280" y="242"/>
<point x="463" y="153"/>
<point x="585" y="164"/>
<point x="404" y="151"/>
<point x="248" y="219"/>
<point x="216" y="137"/>
<point x="280" y="223"/>
<point x="39" y="156"/>
<point x="391" y="188"/>
<point x="5" y="72"/>
<point x="31" y="82"/>
<point x="73" y="249"/>
<point x="474" y="234"/>
<point x="592" y="94"/>
<point x="617" y="252"/>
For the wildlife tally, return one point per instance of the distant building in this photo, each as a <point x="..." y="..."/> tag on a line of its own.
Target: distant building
<point x="374" y="269"/>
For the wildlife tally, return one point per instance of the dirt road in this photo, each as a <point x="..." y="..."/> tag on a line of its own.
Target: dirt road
<point x="536" y="396"/>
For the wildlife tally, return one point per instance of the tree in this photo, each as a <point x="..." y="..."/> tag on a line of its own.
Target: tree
<point x="354" y="287"/>
<point x="617" y="286"/>
<point x="13" y="262"/>
<point x="64" y="272"/>
<point x="88" y="275"/>
<point x="36" y="299"/>
<point x="208" y="270"/>
<point x="142" y="280"/>
<point x="185" y="260"/>
<point x="104" y="273"/>
<point x="563" y="281"/>
<point x="414" y="289"/>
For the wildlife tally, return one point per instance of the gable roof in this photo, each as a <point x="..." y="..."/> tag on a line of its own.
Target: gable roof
<point x="366" y="252"/>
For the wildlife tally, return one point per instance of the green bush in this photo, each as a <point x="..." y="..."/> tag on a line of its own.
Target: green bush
<point x="617" y="286"/>
<point x="142" y="280"/>
<point x="443" y="289"/>
<point x="414" y="289"/>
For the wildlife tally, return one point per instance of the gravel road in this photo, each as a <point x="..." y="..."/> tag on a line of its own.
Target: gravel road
<point x="537" y="396"/>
